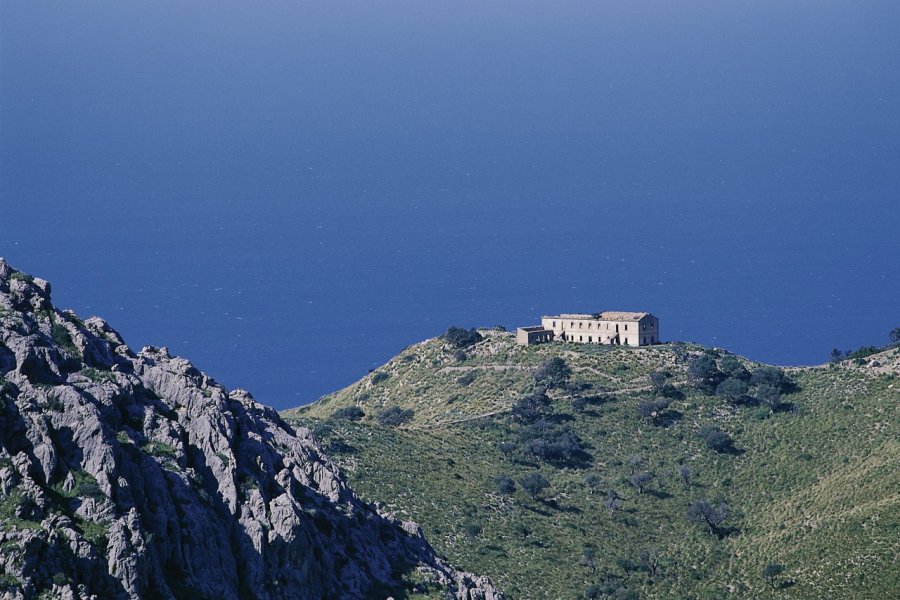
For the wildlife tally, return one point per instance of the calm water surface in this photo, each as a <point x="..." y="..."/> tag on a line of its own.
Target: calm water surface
<point x="289" y="194"/>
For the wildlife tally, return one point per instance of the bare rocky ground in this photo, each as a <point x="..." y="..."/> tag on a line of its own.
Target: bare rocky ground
<point x="134" y="475"/>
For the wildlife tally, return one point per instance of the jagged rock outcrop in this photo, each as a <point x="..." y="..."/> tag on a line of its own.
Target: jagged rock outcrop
<point x="134" y="475"/>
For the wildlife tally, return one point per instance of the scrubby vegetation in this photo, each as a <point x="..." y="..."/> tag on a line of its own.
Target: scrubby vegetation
<point x="634" y="474"/>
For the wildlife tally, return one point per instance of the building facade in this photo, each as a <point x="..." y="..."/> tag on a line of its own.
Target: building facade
<point x="610" y="327"/>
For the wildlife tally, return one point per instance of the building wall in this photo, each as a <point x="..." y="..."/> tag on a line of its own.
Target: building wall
<point x="533" y="335"/>
<point x="588" y="330"/>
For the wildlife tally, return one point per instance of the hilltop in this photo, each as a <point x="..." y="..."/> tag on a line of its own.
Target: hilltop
<point x="669" y="471"/>
<point x="134" y="475"/>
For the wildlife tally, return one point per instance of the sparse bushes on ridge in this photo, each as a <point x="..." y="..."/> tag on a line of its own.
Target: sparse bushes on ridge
<point x="348" y="413"/>
<point x="462" y="338"/>
<point x="380" y="377"/>
<point x="394" y="416"/>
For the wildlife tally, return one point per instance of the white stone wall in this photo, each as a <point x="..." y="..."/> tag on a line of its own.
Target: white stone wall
<point x="585" y="329"/>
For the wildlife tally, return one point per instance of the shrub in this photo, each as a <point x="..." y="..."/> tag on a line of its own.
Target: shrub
<point x="731" y="366"/>
<point x="559" y="446"/>
<point x="771" y="376"/>
<point x="462" y="338"/>
<point x="716" y="439"/>
<point x="640" y="480"/>
<point x="733" y="390"/>
<point x="394" y="416"/>
<point x="553" y="372"/>
<point x="379" y="377"/>
<point x="534" y="484"/>
<point x="467" y="379"/>
<point x="505" y="485"/>
<point x="531" y="408"/>
<point x="348" y="413"/>
<point x="703" y="373"/>
<point x="768" y="395"/>
<point x="701" y="511"/>
<point x="63" y="339"/>
<point x="771" y="572"/>
<point x="652" y="408"/>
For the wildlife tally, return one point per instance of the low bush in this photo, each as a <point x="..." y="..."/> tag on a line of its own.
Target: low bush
<point x="394" y="416"/>
<point x="348" y="413"/>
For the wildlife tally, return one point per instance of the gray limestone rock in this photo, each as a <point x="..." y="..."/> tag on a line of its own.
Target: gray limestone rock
<point x="134" y="475"/>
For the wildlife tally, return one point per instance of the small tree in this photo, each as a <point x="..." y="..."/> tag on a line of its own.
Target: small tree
<point x="771" y="572"/>
<point x="772" y="376"/>
<point x="836" y="355"/>
<point x="658" y="381"/>
<point x="534" y="484"/>
<point x="640" y="480"/>
<point x="588" y="559"/>
<point x="894" y="335"/>
<point x="531" y="408"/>
<point x="505" y="485"/>
<point x="349" y="413"/>
<point x="769" y="396"/>
<point x="394" y="415"/>
<point x="702" y="512"/>
<point x="592" y="481"/>
<point x="684" y="472"/>
<point x="462" y="338"/>
<point x="634" y="461"/>
<point x="716" y="439"/>
<point x="506" y="448"/>
<point x="731" y="366"/>
<point x="553" y="373"/>
<point x="472" y="530"/>
<point x="733" y="390"/>
<point x="649" y="560"/>
<point x="613" y="502"/>
<point x="703" y="373"/>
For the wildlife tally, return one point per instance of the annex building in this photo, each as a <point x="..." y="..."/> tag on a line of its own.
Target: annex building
<point x="610" y="327"/>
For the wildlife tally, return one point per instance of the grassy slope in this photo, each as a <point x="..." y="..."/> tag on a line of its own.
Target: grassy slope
<point x="817" y="490"/>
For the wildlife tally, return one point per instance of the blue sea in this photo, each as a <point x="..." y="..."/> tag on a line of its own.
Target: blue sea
<point x="289" y="193"/>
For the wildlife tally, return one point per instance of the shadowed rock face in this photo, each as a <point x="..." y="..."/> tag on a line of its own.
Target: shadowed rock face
<point x="128" y="475"/>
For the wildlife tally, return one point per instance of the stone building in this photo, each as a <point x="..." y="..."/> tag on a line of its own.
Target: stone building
<point x="610" y="327"/>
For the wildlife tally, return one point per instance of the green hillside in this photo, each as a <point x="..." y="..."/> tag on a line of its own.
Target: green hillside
<point x="808" y="471"/>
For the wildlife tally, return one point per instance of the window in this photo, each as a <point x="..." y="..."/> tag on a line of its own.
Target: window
<point x="571" y="324"/>
<point x="590" y="339"/>
<point x="645" y="339"/>
<point x="580" y="338"/>
<point x="626" y="326"/>
<point x="580" y="325"/>
<point x="626" y="341"/>
<point x="554" y="323"/>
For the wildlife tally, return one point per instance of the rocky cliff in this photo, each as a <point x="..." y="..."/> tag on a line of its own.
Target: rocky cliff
<point x="134" y="475"/>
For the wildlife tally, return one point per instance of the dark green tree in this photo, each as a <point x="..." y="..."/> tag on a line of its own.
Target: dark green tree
<point x="505" y="485"/>
<point x="771" y="572"/>
<point x="462" y="338"/>
<point x="553" y="373"/>
<point x="534" y="484"/>
<point x="733" y="390"/>
<point x="701" y="511"/>
<point x="703" y="373"/>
